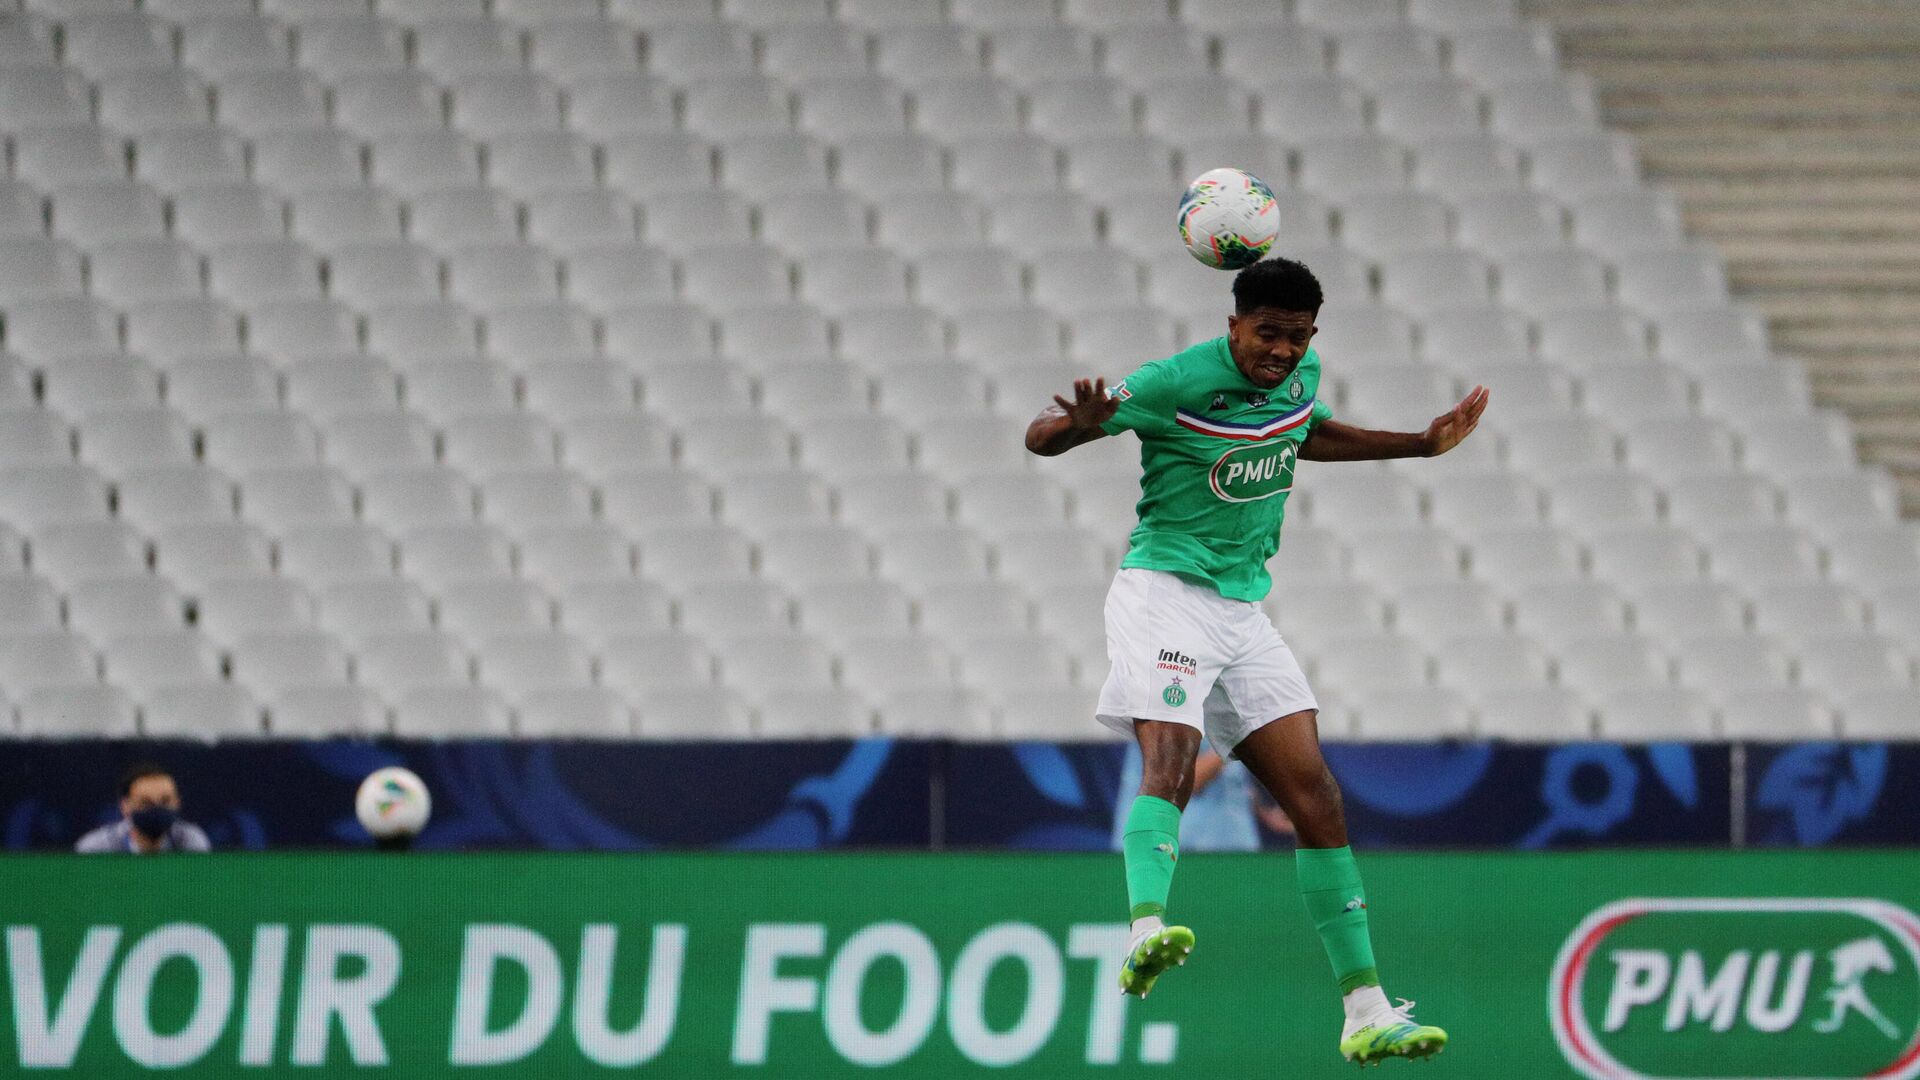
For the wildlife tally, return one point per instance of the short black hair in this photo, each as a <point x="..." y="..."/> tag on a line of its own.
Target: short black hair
<point x="138" y="772"/>
<point x="1276" y="283"/>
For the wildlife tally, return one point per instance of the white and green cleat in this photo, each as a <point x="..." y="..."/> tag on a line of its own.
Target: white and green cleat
<point x="1151" y="955"/>
<point x="1393" y="1034"/>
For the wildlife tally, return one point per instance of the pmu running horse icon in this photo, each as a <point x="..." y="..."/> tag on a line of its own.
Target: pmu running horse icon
<point x="1852" y="963"/>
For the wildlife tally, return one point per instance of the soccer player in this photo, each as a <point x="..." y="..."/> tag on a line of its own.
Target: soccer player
<point x="1221" y="427"/>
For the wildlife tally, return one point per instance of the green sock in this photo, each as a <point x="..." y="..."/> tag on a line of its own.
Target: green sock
<point x="1151" y="846"/>
<point x="1337" y="904"/>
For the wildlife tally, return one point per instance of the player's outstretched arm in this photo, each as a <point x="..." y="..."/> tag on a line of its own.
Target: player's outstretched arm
<point x="1334" y="441"/>
<point x="1066" y="424"/>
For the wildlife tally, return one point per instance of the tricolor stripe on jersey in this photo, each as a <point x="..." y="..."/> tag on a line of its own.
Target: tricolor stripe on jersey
<point x="1266" y="429"/>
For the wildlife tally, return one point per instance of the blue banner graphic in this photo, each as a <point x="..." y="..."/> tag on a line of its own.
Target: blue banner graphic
<point x="884" y="793"/>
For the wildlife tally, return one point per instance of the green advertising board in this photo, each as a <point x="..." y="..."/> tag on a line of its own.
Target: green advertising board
<point x="702" y="967"/>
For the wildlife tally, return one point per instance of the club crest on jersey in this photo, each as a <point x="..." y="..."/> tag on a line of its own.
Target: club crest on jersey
<point x="1298" y="387"/>
<point x="1174" y="695"/>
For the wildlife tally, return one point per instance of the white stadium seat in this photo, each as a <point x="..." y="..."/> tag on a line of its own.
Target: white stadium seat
<point x="74" y="712"/>
<point x="1674" y="609"/>
<point x="1541" y="714"/>
<point x="357" y="608"/>
<point x="323" y="711"/>
<point x="1881" y="714"/>
<point x="1413" y="713"/>
<point x="838" y="611"/>
<point x="888" y="663"/>
<point x="1658" y="714"/>
<point x="441" y="712"/>
<point x="395" y="663"/>
<point x="1776" y="716"/>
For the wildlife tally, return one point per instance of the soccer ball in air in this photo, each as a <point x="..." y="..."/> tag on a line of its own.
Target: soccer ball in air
<point x="393" y="805"/>
<point x="1228" y="219"/>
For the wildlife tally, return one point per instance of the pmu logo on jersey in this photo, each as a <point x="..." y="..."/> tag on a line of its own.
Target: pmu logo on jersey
<point x="1253" y="472"/>
<point x="1756" y="988"/>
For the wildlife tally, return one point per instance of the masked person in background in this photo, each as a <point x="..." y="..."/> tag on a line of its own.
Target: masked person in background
<point x="150" y="820"/>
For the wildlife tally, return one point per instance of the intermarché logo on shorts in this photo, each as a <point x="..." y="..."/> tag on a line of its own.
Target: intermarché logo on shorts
<point x="1741" y="987"/>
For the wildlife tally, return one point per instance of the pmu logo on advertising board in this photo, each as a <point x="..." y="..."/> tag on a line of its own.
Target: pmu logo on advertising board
<point x="1803" y="988"/>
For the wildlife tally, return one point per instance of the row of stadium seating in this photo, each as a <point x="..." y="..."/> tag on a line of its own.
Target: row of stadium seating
<point x="270" y="278"/>
<point x="871" y="14"/>
<point x="177" y="109"/>
<point x="1870" y="560"/>
<point x="521" y="488"/>
<point x="845" y="605"/>
<point x="570" y="42"/>
<point x="213" y="391"/>
<point x="876" y="165"/>
<point x="1017" y="687"/>
<point x="246" y="226"/>
<point x="977" y="304"/>
<point x="660" y="348"/>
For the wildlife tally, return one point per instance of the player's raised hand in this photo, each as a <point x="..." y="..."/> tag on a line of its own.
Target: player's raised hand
<point x="1090" y="406"/>
<point x="1456" y="423"/>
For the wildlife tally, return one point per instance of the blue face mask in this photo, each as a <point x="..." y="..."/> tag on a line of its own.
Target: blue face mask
<point x="154" y="821"/>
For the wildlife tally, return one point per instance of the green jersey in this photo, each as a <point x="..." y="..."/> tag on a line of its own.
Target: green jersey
<point x="1216" y="457"/>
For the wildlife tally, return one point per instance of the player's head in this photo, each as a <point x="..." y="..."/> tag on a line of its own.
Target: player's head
<point x="1275" y="302"/>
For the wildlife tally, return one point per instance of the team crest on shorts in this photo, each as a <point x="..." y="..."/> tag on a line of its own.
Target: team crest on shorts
<point x="1174" y="695"/>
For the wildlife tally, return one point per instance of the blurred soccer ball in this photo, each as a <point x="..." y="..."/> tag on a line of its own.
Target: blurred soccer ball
<point x="1228" y="219"/>
<point x="393" y="803"/>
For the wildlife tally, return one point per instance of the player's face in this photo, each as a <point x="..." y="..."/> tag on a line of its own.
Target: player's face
<point x="1267" y="343"/>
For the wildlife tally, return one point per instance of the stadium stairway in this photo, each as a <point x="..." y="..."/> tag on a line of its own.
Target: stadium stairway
<point x="1788" y="130"/>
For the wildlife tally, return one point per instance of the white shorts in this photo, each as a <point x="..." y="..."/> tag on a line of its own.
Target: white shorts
<point x="1184" y="653"/>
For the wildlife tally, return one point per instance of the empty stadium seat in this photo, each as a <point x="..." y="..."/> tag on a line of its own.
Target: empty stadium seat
<point x="1413" y="713"/>
<point x="1676" y="609"/>
<point x="218" y="711"/>
<point x="398" y="662"/>
<point x="441" y="712"/>
<point x="327" y="711"/>
<point x="273" y="663"/>
<point x="357" y="608"/>
<point x="1880" y="714"/>
<point x="1534" y="715"/>
<point x="1425" y="611"/>
<point x="1662" y="714"/>
<point x="76" y="712"/>
<point x="839" y="611"/>
<point x="884" y="664"/>
<point x="1843" y="663"/>
<point x="949" y="714"/>
<point x="1776" y="716"/>
<point x="524" y="663"/>
<point x="70" y="552"/>
<point x="576" y="712"/>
